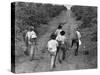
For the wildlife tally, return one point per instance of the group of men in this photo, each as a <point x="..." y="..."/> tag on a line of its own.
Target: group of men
<point x="30" y="38"/>
<point x="56" y="45"/>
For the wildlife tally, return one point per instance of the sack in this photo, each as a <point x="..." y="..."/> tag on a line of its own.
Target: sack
<point x="33" y="36"/>
<point x="52" y="53"/>
<point x="80" y="42"/>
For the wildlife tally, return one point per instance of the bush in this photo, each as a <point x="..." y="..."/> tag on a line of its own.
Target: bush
<point x="94" y="38"/>
<point x="34" y="14"/>
<point x="87" y="14"/>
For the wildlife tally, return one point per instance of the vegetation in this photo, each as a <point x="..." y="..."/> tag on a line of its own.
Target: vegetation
<point x="35" y="14"/>
<point x="32" y="14"/>
<point x="88" y="16"/>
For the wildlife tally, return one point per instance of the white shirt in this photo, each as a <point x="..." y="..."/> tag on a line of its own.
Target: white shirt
<point x="58" y="31"/>
<point x="52" y="45"/>
<point x="76" y="35"/>
<point x="61" y="38"/>
<point x="31" y="34"/>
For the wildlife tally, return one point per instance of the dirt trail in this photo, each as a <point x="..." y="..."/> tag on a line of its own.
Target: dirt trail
<point x="53" y="26"/>
<point x="26" y="65"/>
<point x="43" y="63"/>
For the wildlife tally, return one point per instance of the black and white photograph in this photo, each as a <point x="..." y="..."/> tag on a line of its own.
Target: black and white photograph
<point x="48" y="37"/>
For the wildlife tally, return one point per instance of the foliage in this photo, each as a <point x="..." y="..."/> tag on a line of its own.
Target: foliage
<point x="88" y="16"/>
<point x="35" y="14"/>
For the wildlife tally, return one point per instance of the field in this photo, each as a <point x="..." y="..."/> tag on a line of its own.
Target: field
<point x="45" y="18"/>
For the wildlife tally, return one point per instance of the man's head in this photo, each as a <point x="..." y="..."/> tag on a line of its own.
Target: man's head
<point x="59" y="27"/>
<point x="62" y="32"/>
<point x="53" y="36"/>
<point x="31" y="28"/>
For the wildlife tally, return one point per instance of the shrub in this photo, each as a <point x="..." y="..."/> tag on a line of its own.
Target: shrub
<point x="87" y="14"/>
<point x="35" y="14"/>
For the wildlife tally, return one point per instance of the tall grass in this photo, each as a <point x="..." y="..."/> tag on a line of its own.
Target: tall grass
<point x="88" y="16"/>
<point x="35" y="14"/>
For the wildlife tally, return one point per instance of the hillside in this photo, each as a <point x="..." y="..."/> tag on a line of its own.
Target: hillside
<point x="86" y="59"/>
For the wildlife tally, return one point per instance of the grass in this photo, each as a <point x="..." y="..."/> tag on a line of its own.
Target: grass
<point x="33" y="14"/>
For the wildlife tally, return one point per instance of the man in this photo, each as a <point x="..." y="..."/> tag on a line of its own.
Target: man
<point x="52" y="48"/>
<point x="31" y="41"/>
<point x="76" y="40"/>
<point x="62" y="48"/>
<point x="59" y="29"/>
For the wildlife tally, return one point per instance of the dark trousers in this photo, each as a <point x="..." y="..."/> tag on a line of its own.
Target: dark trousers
<point x="75" y="41"/>
<point x="61" y="53"/>
<point x="27" y="47"/>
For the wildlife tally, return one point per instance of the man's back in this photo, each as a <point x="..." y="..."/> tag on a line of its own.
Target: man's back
<point x="31" y="34"/>
<point x="76" y="35"/>
<point x="61" y="38"/>
<point x="53" y="45"/>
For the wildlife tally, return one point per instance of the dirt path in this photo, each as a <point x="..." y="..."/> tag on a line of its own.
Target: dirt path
<point x="43" y="62"/>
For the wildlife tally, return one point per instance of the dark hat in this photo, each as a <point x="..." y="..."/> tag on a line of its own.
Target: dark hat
<point x="62" y="32"/>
